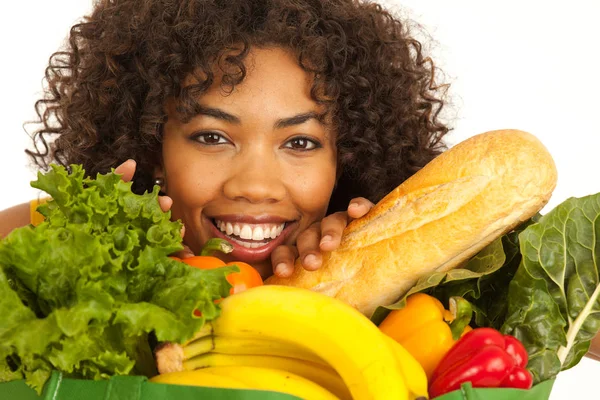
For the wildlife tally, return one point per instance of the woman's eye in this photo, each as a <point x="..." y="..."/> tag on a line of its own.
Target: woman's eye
<point x="210" y="138"/>
<point x="302" y="143"/>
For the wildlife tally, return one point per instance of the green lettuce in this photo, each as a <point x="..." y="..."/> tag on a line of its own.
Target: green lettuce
<point x="86" y="290"/>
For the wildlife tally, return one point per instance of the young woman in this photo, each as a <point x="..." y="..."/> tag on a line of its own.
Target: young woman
<point x="268" y="122"/>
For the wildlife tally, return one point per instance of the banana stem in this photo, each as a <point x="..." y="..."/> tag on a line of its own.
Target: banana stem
<point x="198" y="347"/>
<point x="206" y="330"/>
<point x="201" y="361"/>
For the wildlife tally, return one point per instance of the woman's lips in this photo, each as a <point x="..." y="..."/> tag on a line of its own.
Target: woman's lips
<point x="258" y="254"/>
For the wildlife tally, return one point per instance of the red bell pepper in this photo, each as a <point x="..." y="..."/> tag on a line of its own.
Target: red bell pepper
<point x="486" y="358"/>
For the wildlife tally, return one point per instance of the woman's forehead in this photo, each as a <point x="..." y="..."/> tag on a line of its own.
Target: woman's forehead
<point x="273" y="78"/>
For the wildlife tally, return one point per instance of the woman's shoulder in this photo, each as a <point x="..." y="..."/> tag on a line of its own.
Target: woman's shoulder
<point x="21" y="215"/>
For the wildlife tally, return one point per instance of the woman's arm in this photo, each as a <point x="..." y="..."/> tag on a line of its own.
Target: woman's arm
<point x="14" y="217"/>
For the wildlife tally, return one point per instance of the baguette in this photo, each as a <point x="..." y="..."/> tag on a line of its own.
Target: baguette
<point x="441" y="216"/>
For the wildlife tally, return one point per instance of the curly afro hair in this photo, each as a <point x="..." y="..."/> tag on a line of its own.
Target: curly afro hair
<point x="107" y="89"/>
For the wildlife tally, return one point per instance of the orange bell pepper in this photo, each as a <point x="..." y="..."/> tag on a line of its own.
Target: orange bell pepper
<point x="426" y="329"/>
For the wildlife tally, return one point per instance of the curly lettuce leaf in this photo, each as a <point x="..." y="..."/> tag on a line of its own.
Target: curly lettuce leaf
<point x="82" y="291"/>
<point x="554" y="306"/>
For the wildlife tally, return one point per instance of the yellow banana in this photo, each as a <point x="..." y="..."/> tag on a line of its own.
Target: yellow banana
<point x="247" y="345"/>
<point x="171" y="356"/>
<point x="318" y="373"/>
<point x="273" y="379"/>
<point x="338" y="333"/>
<point x="414" y="374"/>
<point x="200" y="378"/>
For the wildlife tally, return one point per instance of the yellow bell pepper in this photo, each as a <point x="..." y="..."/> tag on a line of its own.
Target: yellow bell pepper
<point x="427" y="330"/>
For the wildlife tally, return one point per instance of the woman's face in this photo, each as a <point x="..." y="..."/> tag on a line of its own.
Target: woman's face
<point x="255" y="167"/>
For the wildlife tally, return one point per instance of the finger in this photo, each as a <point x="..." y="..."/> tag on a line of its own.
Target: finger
<point x="165" y="203"/>
<point x="283" y="258"/>
<point x="185" y="253"/>
<point x="332" y="227"/>
<point x="358" y="207"/>
<point x="309" y="251"/>
<point x="126" y="170"/>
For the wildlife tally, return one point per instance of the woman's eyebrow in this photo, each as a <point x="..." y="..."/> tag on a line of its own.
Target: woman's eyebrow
<point x="279" y="124"/>
<point x="296" y="120"/>
<point x="218" y="114"/>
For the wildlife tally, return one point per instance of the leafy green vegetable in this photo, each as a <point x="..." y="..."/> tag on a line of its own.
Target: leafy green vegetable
<point x="488" y="293"/>
<point x="82" y="291"/>
<point x="553" y="303"/>
<point x="462" y="282"/>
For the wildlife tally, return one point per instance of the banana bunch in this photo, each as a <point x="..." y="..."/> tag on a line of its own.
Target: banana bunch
<point x="295" y="341"/>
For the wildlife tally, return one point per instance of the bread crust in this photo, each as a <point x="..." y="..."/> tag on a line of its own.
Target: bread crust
<point x="441" y="216"/>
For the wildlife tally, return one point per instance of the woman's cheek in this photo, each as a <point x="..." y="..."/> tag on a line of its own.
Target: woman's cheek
<point x="315" y="189"/>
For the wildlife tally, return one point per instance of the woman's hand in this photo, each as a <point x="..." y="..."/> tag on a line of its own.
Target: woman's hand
<point x="324" y="235"/>
<point x="127" y="170"/>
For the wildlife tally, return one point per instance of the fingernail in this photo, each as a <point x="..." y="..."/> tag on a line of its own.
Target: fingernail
<point x="187" y="254"/>
<point x="354" y="205"/>
<point x="124" y="164"/>
<point x="310" y="259"/>
<point x="326" y="239"/>
<point x="281" y="269"/>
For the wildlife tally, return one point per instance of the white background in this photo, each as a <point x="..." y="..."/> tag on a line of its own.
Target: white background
<point x="530" y="65"/>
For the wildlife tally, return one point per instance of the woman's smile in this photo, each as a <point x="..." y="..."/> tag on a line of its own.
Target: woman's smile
<point x="253" y="239"/>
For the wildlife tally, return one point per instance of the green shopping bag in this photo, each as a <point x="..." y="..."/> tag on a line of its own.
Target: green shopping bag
<point x="139" y="388"/>
<point x="541" y="391"/>
<point x="127" y="388"/>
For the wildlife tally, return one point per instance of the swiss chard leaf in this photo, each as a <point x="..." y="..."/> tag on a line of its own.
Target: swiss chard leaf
<point x="554" y="306"/>
<point x="535" y="319"/>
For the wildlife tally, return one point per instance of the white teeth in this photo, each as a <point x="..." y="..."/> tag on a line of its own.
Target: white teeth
<point x="250" y="231"/>
<point x="257" y="233"/>
<point x="246" y="232"/>
<point x="249" y="245"/>
<point x="275" y="232"/>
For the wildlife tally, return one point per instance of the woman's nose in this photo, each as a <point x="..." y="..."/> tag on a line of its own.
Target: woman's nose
<point x="257" y="178"/>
